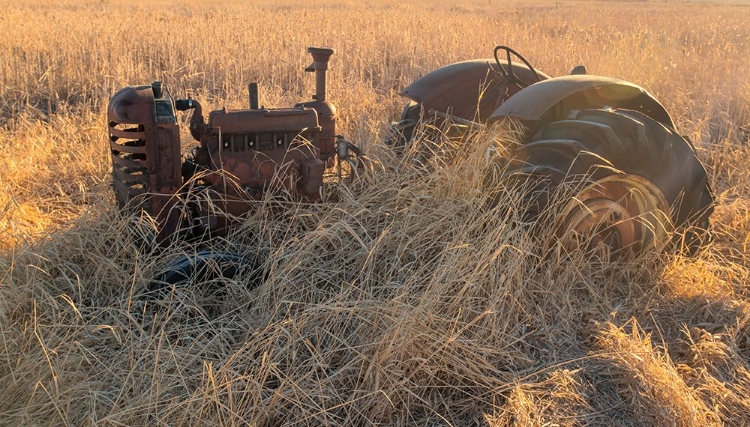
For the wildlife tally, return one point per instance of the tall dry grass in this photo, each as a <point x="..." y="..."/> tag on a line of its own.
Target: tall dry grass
<point x="405" y="303"/>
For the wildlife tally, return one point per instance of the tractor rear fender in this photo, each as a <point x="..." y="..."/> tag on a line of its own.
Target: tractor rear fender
<point x="553" y="99"/>
<point x="471" y="90"/>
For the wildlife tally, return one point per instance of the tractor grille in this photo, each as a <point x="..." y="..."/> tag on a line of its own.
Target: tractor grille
<point x="130" y="164"/>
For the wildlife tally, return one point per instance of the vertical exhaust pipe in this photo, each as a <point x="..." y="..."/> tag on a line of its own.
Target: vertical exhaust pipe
<point x="326" y="110"/>
<point x="321" y="56"/>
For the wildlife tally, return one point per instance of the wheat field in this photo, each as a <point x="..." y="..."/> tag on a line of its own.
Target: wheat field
<point x="407" y="302"/>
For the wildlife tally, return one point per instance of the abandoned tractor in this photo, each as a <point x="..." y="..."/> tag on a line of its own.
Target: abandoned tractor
<point x="636" y="180"/>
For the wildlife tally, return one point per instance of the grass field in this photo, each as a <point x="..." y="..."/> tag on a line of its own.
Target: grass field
<point x="407" y="302"/>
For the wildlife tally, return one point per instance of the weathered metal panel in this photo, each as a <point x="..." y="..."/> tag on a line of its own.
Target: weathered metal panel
<point x="471" y="90"/>
<point x="555" y="98"/>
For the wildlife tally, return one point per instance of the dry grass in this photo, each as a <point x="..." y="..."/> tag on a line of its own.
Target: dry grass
<point x="407" y="302"/>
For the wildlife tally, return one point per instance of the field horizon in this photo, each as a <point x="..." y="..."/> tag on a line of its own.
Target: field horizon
<point x="407" y="301"/>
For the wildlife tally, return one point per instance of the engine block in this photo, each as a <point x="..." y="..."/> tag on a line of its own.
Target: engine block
<point x="241" y="155"/>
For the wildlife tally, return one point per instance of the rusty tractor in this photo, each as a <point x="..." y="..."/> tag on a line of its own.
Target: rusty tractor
<point x="637" y="179"/>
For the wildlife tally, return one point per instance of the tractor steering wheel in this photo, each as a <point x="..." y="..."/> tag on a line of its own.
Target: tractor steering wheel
<point x="510" y="75"/>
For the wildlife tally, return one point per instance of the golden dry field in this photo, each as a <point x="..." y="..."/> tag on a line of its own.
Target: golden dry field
<point x="407" y="302"/>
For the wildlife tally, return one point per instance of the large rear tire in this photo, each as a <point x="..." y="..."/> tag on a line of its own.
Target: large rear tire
<point x="612" y="182"/>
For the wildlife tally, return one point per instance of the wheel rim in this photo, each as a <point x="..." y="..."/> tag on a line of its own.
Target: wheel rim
<point x="615" y="216"/>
